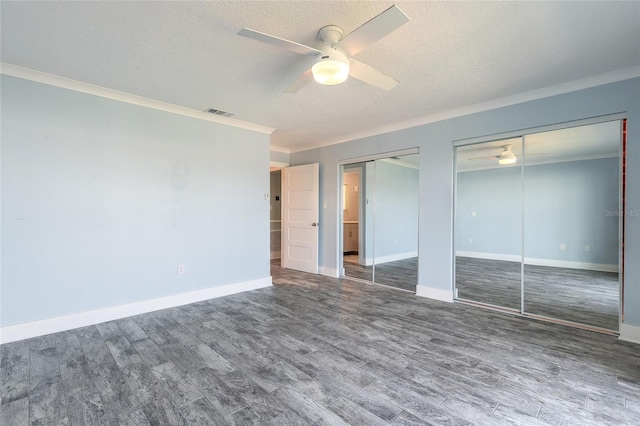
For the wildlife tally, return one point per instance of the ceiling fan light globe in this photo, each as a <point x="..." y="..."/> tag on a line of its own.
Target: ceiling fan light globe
<point x="507" y="160"/>
<point x="330" y="72"/>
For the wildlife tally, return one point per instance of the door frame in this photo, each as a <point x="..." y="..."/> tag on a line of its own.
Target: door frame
<point x="275" y="166"/>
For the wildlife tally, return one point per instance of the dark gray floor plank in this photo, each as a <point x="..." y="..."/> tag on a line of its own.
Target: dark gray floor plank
<point x="245" y="417"/>
<point x="15" y="413"/>
<point x="353" y="414"/>
<point x="262" y="403"/>
<point x="112" y="386"/>
<point x="176" y="384"/>
<point x="289" y="418"/>
<point x="122" y="351"/>
<point x="202" y="412"/>
<point x="163" y="411"/>
<point x="119" y="412"/>
<point x="47" y="401"/>
<point x="312" y="349"/>
<point x="223" y="398"/>
<point x="307" y="408"/>
<point x="93" y="346"/>
<point x="14" y="372"/>
<point x="86" y="408"/>
<point x="131" y="330"/>
<point x="43" y="364"/>
<point x="149" y="352"/>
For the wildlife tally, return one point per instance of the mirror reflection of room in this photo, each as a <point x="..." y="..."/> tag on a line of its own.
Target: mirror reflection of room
<point x="380" y="221"/>
<point x="396" y="222"/>
<point x="357" y="217"/>
<point x="533" y="235"/>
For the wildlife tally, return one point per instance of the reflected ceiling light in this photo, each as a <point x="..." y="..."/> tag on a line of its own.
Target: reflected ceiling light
<point x="332" y="68"/>
<point x="507" y="157"/>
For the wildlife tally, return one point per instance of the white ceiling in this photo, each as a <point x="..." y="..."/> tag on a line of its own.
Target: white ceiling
<point x="449" y="56"/>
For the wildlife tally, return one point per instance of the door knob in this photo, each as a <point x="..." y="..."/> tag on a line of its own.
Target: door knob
<point x="315" y="224"/>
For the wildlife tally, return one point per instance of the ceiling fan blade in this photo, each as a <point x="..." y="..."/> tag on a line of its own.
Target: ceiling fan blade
<point x="539" y="153"/>
<point x="291" y="46"/>
<point x="370" y="32"/>
<point x="485" y="157"/>
<point x="302" y="81"/>
<point x="372" y="76"/>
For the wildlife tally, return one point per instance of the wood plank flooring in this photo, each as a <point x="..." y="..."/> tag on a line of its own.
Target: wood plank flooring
<point x="401" y="274"/>
<point x="582" y="296"/>
<point x="316" y="350"/>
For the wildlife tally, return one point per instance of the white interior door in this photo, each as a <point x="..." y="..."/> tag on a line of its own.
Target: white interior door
<point x="300" y="194"/>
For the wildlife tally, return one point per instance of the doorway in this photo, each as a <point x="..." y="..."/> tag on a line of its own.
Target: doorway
<point x="379" y="229"/>
<point x="536" y="226"/>
<point x="275" y="212"/>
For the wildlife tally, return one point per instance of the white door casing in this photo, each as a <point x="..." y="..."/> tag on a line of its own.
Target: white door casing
<point x="300" y="193"/>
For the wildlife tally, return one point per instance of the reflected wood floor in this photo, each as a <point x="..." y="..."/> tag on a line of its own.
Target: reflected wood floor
<point x="321" y="351"/>
<point x="587" y="297"/>
<point x="400" y="274"/>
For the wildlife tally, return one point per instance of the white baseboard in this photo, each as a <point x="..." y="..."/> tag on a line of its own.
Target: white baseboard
<point x="391" y="258"/>
<point x="329" y="272"/>
<point x="630" y="333"/>
<point x="540" y="262"/>
<point x="434" y="293"/>
<point x="67" y="322"/>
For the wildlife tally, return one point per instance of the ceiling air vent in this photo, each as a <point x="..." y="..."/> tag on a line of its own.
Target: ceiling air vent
<point x="219" y="112"/>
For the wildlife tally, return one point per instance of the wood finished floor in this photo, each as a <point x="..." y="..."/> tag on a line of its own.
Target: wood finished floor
<point x="401" y="274"/>
<point x="587" y="297"/>
<point x="316" y="350"/>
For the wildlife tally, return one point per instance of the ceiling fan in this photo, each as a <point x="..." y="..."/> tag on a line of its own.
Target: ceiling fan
<point x="506" y="156"/>
<point x="332" y="62"/>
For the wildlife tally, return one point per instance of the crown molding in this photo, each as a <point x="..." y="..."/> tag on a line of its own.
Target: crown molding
<point x="400" y="163"/>
<point x="103" y="92"/>
<point x="546" y="92"/>
<point x="279" y="149"/>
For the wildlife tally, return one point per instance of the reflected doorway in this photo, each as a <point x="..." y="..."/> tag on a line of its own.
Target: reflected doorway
<point x="380" y="221"/>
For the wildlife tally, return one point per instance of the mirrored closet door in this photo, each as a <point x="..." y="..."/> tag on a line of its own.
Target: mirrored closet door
<point x="357" y="220"/>
<point x="488" y="223"/>
<point x="571" y="232"/>
<point x="380" y="221"/>
<point x="537" y="229"/>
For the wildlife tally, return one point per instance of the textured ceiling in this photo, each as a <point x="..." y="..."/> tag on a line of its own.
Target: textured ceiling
<point x="450" y="55"/>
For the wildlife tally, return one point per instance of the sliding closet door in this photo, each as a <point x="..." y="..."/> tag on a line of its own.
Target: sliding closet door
<point x="488" y="223"/>
<point x="571" y="226"/>
<point x="396" y="222"/>
<point x="357" y="220"/>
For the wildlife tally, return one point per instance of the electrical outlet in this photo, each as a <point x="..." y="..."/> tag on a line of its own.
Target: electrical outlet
<point x="470" y="241"/>
<point x="563" y="247"/>
<point x="473" y="214"/>
<point x="587" y="248"/>
<point x="180" y="269"/>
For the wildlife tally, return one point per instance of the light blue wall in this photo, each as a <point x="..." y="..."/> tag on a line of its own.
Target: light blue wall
<point x="495" y="196"/>
<point x="436" y="179"/>
<point x="396" y="209"/>
<point x="279" y="157"/>
<point x="564" y="203"/>
<point x="101" y="200"/>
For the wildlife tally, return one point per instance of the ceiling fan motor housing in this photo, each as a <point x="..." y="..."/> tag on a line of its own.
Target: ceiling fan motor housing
<point x="331" y="68"/>
<point x="330" y="34"/>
